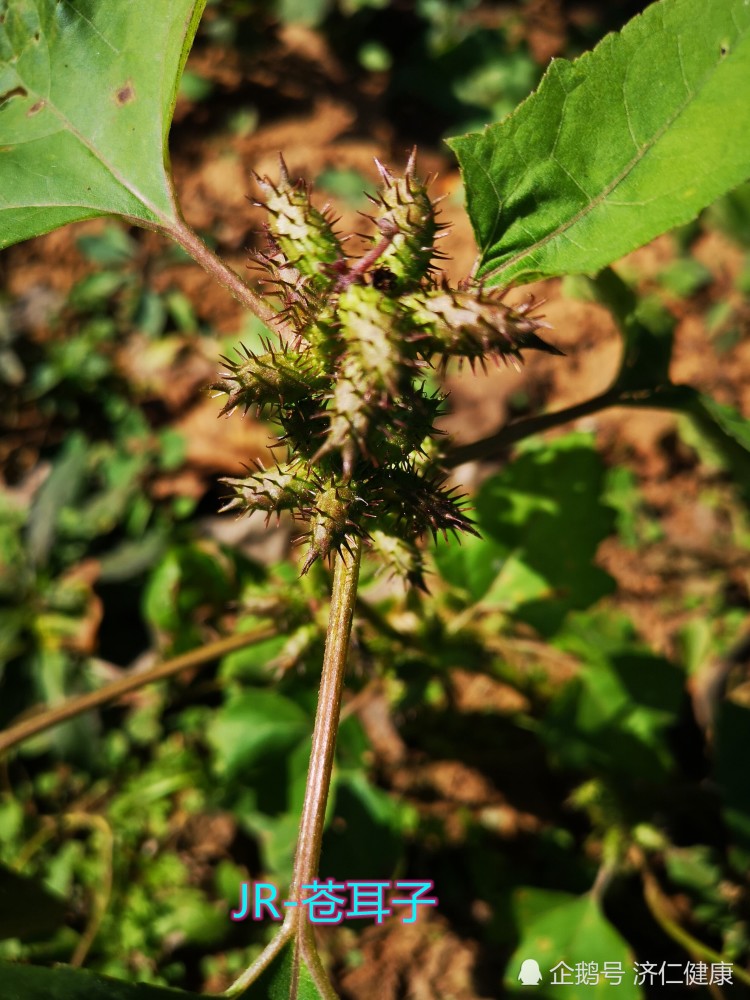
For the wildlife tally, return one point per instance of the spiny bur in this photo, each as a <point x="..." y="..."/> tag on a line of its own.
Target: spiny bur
<point x="349" y="393"/>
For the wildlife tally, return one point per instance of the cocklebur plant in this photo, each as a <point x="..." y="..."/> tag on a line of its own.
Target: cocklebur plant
<point x="349" y="393"/>
<point x="361" y="462"/>
<point x="632" y="139"/>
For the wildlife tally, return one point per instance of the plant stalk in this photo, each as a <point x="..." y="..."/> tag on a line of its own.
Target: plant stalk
<point x="132" y="681"/>
<point x="310" y="838"/>
<point x="495" y="445"/>
<point x="663" y="397"/>
<point x="343" y="600"/>
<point x="193" y="245"/>
<point x="659" y="907"/>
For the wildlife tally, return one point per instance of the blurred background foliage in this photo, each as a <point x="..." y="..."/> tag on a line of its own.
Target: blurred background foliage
<point x="574" y="783"/>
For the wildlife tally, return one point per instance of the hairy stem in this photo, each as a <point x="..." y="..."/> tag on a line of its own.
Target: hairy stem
<point x="343" y="600"/>
<point x="661" y="397"/>
<point x="50" y="717"/>
<point x="192" y="244"/>
<point x="310" y="838"/>
<point x="495" y="445"/>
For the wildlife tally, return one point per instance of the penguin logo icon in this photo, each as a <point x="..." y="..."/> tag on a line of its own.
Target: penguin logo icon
<point x="530" y="974"/>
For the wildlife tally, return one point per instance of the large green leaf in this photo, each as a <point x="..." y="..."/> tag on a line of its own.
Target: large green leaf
<point x="558" y="928"/>
<point x="28" y="982"/>
<point x="614" y="717"/>
<point x="630" y="140"/>
<point x="253" y="725"/>
<point x="545" y="510"/>
<point x="87" y="91"/>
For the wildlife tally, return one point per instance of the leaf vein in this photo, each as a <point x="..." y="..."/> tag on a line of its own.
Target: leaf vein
<point x="92" y="26"/>
<point x="495" y="191"/>
<point x="682" y="67"/>
<point x="603" y="196"/>
<point x="565" y="170"/>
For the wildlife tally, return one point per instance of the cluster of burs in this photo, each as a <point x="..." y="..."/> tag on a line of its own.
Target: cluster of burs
<point x="346" y="381"/>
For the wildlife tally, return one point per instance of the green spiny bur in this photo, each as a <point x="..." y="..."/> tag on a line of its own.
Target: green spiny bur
<point x="331" y="520"/>
<point x="303" y="233"/>
<point x="369" y="331"/>
<point x="287" y="487"/>
<point x="406" y="215"/>
<point x="471" y="324"/>
<point x="356" y="417"/>
<point x="349" y="415"/>
<point x="277" y="377"/>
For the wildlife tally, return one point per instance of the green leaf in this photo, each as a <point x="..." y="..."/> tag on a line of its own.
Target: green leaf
<point x="732" y="424"/>
<point x="615" y="148"/>
<point x="94" y="292"/>
<point x="634" y="525"/>
<point x="132" y="557"/>
<point x="546" y="510"/>
<point x="87" y="92"/>
<point x="59" y="489"/>
<point x="731" y="214"/>
<point x="718" y="432"/>
<point x="613" y="717"/>
<point x="276" y="982"/>
<point x="471" y="564"/>
<point x="276" y="837"/>
<point x="558" y="928"/>
<point x="191" y="917"/>
<point x="254" y="725"/>
<point x="113" y="247"/>
<point x="643" y="380"/>
<point x="698" y="870"/>
<point x="270" y="810"/>
<point x="188" y="577"/>
<point x="28" y="982"/>
<point x="365" y="815"/>
<point x="346" y="185"/>
<point x="251" y="663"/>
<point x="685" y="277"/>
